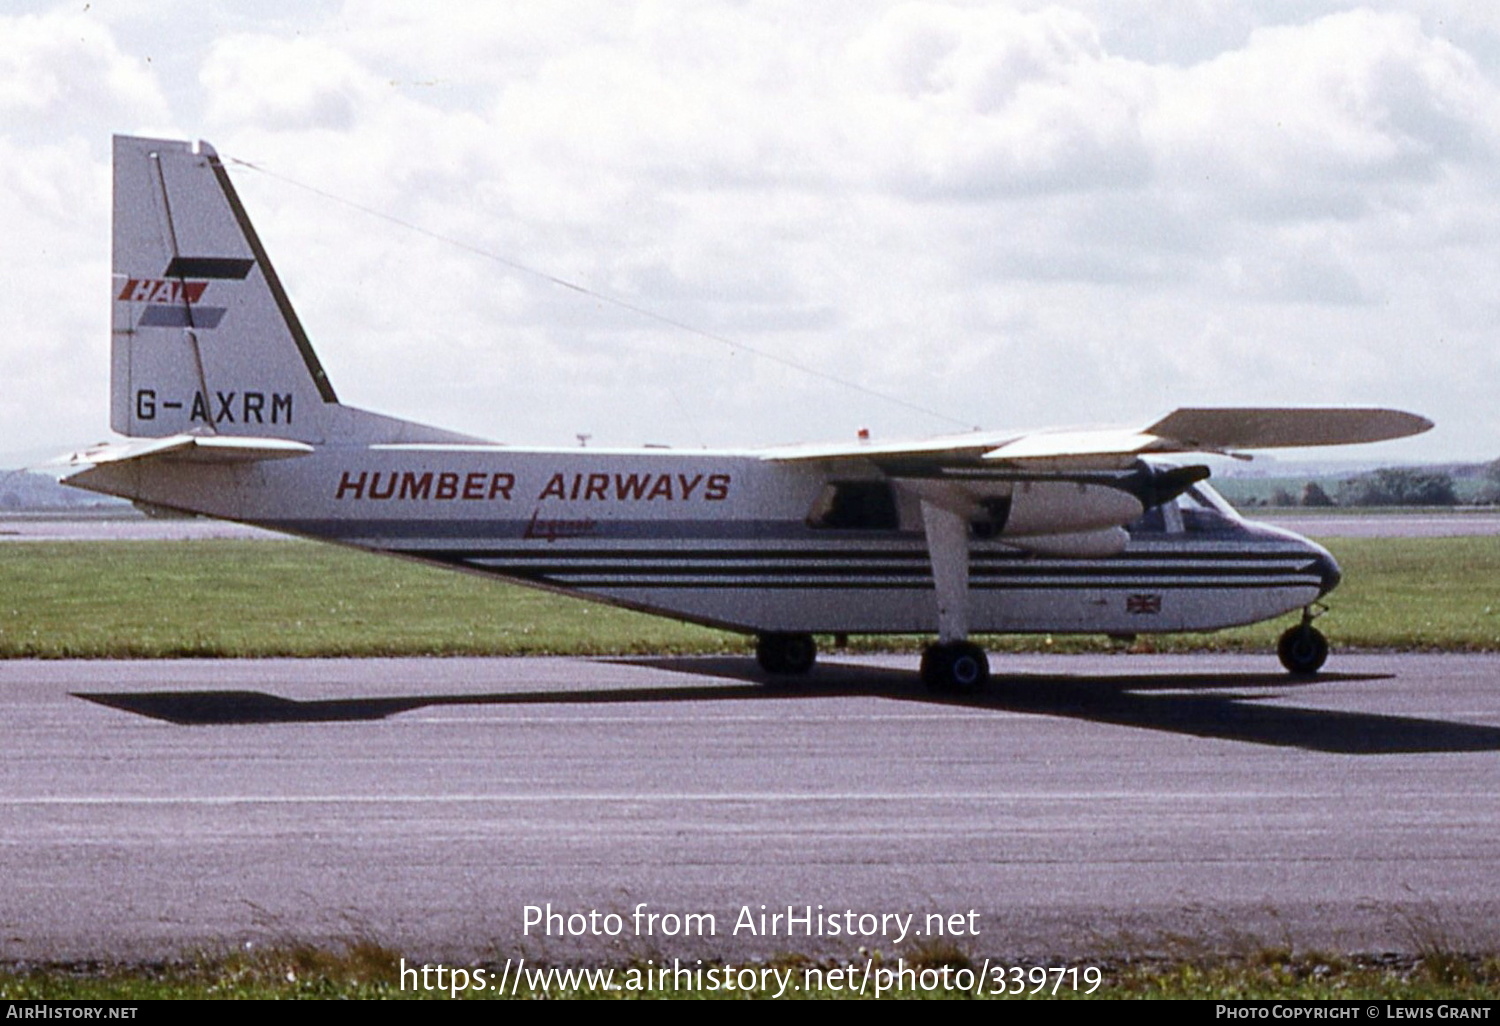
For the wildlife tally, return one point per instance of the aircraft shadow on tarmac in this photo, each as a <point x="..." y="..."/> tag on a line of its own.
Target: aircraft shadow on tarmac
<point x="1202" y="705"/>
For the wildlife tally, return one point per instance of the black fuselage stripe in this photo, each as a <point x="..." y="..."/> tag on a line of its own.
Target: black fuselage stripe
<point x="976" y="559"/>
<point x="593" y="566"/>
<point x="909" y="585"/>
<point x="1034" y="578"/>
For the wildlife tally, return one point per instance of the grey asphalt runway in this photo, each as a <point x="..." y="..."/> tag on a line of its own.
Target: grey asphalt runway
<point x="1087" y="806"/>
<point x="115" y="525"/>
<point x="1437" y="524"/>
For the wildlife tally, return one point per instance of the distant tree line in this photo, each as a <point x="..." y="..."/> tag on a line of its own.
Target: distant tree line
<point x="1491" y="491"/>
<point x="1392" y="486"/>
<point x="1314" y="495"/>
<point x="1398" y="486"/>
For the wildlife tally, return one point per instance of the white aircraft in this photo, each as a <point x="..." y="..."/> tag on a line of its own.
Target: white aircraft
<point x="228" y="413"/>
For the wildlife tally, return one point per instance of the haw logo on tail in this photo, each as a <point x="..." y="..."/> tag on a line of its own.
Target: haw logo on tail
<point x="160" y="290"/>
<point x="172" y="300"/>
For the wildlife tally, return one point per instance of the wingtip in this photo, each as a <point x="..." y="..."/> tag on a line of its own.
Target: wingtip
<point x="1401" y="424"/>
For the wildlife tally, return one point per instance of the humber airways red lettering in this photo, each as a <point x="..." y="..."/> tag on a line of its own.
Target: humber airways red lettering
<point x="636" y="487"/>
<point x="445" y="485"/>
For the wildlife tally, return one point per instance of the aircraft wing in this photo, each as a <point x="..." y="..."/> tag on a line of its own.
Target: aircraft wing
<point x="1223" y="430"/>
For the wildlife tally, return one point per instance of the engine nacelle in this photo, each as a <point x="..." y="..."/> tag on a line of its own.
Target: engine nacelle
<point x="1059" y="508"/>
<point x="1083" y="545"/>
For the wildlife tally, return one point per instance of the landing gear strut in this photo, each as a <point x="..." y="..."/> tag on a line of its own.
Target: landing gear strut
<point x="955" y="666"/>
<point x="953" y="663"/>
<point x="786" y="655"/>
<point x="1303" y="650"/>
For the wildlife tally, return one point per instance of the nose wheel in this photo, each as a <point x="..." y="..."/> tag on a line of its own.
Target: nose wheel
<point x="1303" y="650"/>
<point x="954" y="667"/>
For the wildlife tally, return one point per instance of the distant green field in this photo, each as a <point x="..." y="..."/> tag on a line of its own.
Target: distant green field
<point x="274" y="598"/>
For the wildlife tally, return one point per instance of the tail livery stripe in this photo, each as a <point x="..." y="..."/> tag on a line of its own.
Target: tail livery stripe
<point x="181" y="317"/>
<point x="229" y="268"/>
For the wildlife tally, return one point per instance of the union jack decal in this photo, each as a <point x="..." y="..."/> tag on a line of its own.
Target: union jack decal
<point x="1143" y="605"/>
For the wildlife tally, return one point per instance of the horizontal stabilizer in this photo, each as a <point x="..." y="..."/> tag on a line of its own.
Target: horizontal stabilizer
<point x="194" y="449"/>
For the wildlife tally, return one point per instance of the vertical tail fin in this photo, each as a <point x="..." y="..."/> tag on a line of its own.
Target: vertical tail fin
<point x="205" y="339"/>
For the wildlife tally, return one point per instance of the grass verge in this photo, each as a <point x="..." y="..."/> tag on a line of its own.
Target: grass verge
<point x="369" y="971"/>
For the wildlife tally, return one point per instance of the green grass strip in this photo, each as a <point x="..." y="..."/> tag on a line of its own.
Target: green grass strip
<point x="369" y="971"/>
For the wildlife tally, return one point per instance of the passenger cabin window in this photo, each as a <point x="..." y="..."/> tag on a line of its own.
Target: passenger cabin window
<point x="856" y="506"/>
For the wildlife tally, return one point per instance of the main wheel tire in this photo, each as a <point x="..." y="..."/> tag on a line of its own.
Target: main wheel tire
<point x="934" y="671"/>
<point x="955" y="667"/>
<point x="786" y="655"/>
<point x="968" y="667"/>
<point x="1303" y="650"/>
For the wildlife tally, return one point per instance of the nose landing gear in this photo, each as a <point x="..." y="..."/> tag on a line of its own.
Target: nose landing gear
<point x="1303" y="649"/>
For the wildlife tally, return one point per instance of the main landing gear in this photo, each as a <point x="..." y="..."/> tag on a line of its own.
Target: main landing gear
<point x="954" y="667"/>
<point x="1303" y="650"/>
<point x="786" y="655"/>
<point x="951" y="667"/>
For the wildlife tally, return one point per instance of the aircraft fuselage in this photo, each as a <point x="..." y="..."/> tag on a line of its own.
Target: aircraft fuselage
<point x="730" y="539"/>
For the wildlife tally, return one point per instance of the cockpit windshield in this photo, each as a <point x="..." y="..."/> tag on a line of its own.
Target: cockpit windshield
<point x="1199" y="510"/>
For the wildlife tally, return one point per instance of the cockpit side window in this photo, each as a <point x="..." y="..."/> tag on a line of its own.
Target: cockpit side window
<point x="1163" y="519"/>
<point x="1204" y="512"/>
<point x="1172" y="514"/>
<point x="1150" y="522"/>
<point x="1199" y="510"/>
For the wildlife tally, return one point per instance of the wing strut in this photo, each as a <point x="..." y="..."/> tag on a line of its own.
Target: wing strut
<point x="948" y="550"/>
<point x="954" y="663"/>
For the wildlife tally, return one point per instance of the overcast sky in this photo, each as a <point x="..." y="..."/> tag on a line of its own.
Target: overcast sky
<point x="1009" y="215"/>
